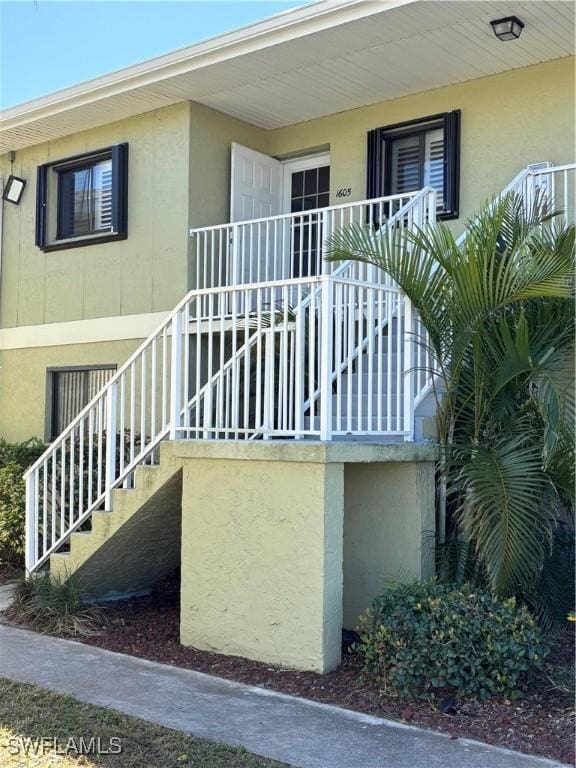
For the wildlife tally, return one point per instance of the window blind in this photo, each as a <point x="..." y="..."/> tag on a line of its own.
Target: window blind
<point x="434" y="164"/>
<point x="406" y="168"/>
<point x="103" y="195"/>
<point x="72" y="390"/>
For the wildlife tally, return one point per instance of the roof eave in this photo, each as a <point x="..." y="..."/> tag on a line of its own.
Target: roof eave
<point x="298" y="22"/>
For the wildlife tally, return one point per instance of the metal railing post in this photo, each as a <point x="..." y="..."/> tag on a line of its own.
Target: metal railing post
<point x="326" y="355"/>
<point x="268" y="416"/>
<point x="176" y="376"/>
<point x="325" y="266"/>
<point x="31" y="522"/>
<point x="299" y="371"/>
<point x="432" y="210"/>
<point x="235" y="255"/>
<point x="110" y="474"/>
<point x="408" y="373"/>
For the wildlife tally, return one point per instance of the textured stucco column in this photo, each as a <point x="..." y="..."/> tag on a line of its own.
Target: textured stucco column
<point x="388" y="527"/>
<point x="262" y="544"/>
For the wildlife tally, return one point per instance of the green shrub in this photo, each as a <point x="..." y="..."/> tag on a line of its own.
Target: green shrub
<point x="421" y="639"/>
<point x="12" y="514"/>
<point x="55" y="606"/>
<point x="15" y="458"/>
<point x="24" y="454"/>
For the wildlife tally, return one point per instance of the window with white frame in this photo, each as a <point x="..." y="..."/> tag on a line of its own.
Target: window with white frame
<point x="83" y="199"/>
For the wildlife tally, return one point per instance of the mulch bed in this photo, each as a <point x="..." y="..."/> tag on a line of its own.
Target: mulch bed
<point x="541" y="723"/>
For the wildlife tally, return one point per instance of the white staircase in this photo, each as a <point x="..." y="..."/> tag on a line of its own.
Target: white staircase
<point x="323" y="357"/>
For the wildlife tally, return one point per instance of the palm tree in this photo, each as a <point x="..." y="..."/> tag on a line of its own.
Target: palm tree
<point x="499" y="313"/>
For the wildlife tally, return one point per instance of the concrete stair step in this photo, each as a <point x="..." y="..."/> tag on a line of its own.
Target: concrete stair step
<point x="118" y="551"/>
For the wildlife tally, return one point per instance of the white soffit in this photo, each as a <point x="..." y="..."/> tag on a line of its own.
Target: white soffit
<point x="316" y="60"/>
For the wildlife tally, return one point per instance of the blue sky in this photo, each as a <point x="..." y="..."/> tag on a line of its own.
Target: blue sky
<point x="45" y="46"/>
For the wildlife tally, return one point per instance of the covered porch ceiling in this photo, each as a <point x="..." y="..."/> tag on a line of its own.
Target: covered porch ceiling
<point x="319" y="59"/>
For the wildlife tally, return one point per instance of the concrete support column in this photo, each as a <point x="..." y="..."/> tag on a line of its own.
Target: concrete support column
<point x="262" y="548"/>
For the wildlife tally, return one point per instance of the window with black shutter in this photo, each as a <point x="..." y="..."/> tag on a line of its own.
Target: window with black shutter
<point x="406" y="157"/>
<point x="83" y="199"/>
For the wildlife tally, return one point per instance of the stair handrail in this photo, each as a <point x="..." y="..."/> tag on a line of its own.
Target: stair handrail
<point x="327" y="209"/>
<point x="110" y="475"/>
<point x="196" y="293"/>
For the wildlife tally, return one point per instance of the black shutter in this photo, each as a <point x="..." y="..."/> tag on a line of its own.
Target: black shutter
<point x="374" y="165"/>
<point x="120" y="189"/>
<point x="374" y="179"/>
<point x="452" y="165"/>
<point x="41" y="180"/>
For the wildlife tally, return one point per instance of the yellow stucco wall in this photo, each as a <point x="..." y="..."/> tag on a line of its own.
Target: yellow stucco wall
<point x="211" y="135"/>
<point x="280" y="541"/>
<point x="508" y="120"/>
<point x="262" y="560"/>
<point x="179" y="175"/>
<point x="23" y="380"/>
<point x="146" y="272"/>
<point x="388" y="529"/>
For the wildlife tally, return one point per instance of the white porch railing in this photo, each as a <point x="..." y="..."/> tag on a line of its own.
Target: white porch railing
<point x="553" y="188"/>
<point x="292" y="245"/>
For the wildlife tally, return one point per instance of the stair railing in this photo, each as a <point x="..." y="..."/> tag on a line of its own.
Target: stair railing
<point x="288" y="245"/>
<point x="419" y="210"/>
<point x="157" y="393"/>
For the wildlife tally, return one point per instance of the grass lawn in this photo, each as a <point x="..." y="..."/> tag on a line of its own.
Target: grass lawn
<point x="28" y="712"/>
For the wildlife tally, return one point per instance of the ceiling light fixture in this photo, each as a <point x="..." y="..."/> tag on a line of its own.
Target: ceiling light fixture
<point x="508" y="28"/>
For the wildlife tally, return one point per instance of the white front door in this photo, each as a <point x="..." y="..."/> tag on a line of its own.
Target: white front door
<point x="262" y="186"/>
<point x="256" y="186"/>
<point x="306" y="188"/>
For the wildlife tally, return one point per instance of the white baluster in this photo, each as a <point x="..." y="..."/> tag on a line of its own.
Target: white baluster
<point x="111" y="442"/>
<point x="31" y="522"/>
<point x="408" y="373"/>
<point x="327" y="315"/>
<point x="175" y="376"/>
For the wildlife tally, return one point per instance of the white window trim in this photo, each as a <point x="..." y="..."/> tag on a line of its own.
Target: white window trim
<point x="295" y="164"/>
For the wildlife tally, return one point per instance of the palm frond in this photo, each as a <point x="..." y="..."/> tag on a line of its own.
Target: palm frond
<point x="501" y="490"/>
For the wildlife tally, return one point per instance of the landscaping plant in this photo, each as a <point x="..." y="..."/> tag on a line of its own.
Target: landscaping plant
<point x="423" y="639"/>
<point x="55" y="606"/>
<point x="499" y="310"/>
<point x="24" y="454"/>
<point x="15" y="458"/>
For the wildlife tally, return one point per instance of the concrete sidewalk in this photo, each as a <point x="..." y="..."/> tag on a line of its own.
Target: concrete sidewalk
<point x="289" y="729"/>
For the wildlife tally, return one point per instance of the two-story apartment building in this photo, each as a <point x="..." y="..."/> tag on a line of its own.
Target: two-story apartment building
<point x="221" y="168"/>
